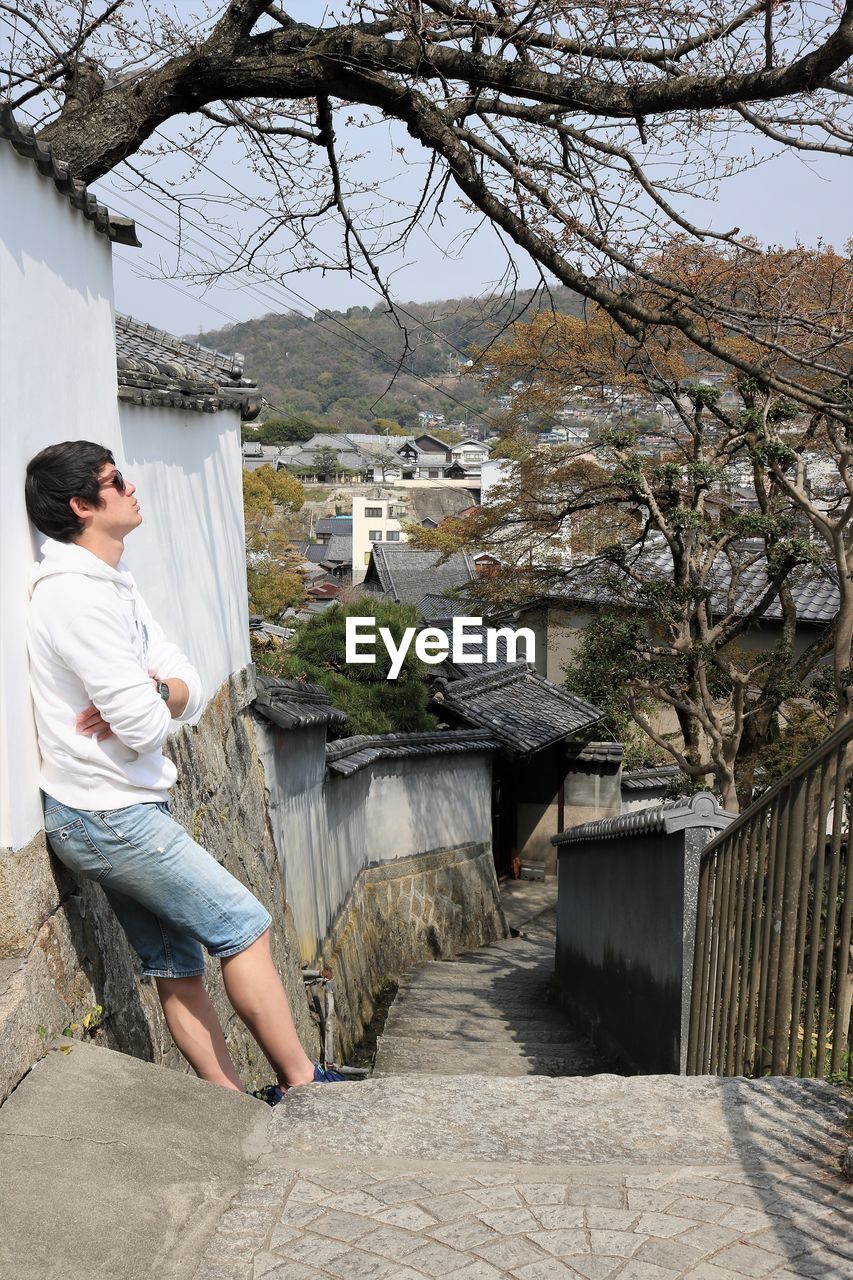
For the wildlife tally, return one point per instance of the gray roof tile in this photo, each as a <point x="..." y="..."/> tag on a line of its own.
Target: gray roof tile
<point x="406" y="575"/>
<point x="522" y="710"/>
<point x="157" y="368"/>
<point x="348" y="755"/>
<point x="335" y="524"/>
<point x="295" y="704"/>
<point x="649" y="779"/>
<point x="597" y="752"/>
<point x="338" y="551"/>
<point x="475" y="640"/>
<point x="437" y="608"/>
<point x="814" y="589"/>
<point x="22" y="138"/>
<point x="306" y="457"/>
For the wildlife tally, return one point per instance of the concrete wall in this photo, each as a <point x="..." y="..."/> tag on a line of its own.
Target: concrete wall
<point x="625" y="933"/>
<point x="328" y="831"/>
<point x="189" y="554"/>
<point x="592" y="790"/>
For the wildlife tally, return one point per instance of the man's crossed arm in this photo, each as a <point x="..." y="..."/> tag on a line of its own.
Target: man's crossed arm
<point x="93" y="725"/>
<point x="124" y="699"/>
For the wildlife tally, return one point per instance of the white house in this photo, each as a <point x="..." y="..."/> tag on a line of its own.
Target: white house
<point x="374" y="520"/>
<point x="170" y="412"/>
<point x="470" y="455"/>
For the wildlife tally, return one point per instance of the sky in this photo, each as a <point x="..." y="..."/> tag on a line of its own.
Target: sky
<point x="784" y="200"/>
<point x="788" y="197"/>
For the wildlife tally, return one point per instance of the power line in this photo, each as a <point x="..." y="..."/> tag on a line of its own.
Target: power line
<point x="169" y="285"/>
<point x="287" y="289"/>
<point x="368" y="283"/>
<point x="254" y="290"/>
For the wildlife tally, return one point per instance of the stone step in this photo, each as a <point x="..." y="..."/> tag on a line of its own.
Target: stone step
<point x="514" y="983"/>
<point x="505" y="962"/>
<point x="498" y="1006"/>
<point x="116" y="1168"/>
<point x="405" y="1057"/>
<point x="594" y="1120"/>
<point x="471" y="1047"/>
<point x="527" y="944"/>
<point x="505" y="1046"/>
<point x="476" y="1029"/>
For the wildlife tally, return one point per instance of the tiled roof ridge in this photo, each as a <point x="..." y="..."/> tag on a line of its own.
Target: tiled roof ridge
<point x="348" y="755"/>
<point x="181" y="346"/>
<point x="699" y="810"/>
<point x="656" y="770"/>
<point x="22" y="138"/>
<point x="427" y="737"/>
<point x="294" y="704"/>
<point x="277" y="688"/>
<point x="597" y="751"/>
<point x="386" y="581"/>
<point x="483" y="683"/>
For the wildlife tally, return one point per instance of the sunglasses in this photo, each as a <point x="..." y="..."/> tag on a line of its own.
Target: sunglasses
<point x="116" y="480"/>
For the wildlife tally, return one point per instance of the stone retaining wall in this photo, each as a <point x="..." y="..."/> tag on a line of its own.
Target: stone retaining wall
<point x="405" y="913"/>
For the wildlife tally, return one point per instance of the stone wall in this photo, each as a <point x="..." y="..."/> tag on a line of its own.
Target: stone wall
<point x="62" y="951"/>
<point x="404" y="913"/>
<point x="385" y="868"/>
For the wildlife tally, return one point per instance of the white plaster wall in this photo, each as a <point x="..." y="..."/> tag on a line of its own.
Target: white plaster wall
<point x="493" y="471"/>
<point x="57" y="382"/>
<point x="327" y="831"/>
<point x="189" y="554"/>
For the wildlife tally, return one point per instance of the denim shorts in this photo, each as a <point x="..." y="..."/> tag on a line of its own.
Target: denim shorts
<point x="172" y="898"/>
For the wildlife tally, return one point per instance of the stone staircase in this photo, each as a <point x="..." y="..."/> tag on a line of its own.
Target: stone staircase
<point x="115" y="1168"/>
<point x="488" y="1011"/>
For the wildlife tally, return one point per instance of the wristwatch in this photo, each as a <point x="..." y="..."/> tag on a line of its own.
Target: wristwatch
<point x="163" y="690"/>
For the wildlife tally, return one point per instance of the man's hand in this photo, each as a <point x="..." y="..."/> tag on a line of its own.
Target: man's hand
<point x="179" y="694"/>
<point x="92" y="724"/>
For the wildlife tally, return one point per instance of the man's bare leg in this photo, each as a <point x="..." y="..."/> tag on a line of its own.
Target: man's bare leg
<point x="195" y="1029"/>
<point x="254" y="989"/>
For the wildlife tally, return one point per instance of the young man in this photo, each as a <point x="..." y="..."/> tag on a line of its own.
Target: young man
<point x="106" y="686"/>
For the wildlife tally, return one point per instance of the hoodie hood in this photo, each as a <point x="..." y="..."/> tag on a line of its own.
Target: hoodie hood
<point x="68" y="557"/>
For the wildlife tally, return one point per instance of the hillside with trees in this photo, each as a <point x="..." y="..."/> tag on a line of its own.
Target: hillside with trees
<point x="335" y="369"/>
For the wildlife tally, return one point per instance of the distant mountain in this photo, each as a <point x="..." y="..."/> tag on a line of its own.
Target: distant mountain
<point x="335" y="367"/>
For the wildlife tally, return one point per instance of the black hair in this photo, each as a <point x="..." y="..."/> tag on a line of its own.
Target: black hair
<point x="58" y="474"/>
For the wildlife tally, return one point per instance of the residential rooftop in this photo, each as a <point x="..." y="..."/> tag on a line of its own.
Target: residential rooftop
<point x="406" y="575"/>
<point x="524" y="711"/>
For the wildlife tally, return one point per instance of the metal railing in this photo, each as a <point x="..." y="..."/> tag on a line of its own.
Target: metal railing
<point x="772" y="984"/>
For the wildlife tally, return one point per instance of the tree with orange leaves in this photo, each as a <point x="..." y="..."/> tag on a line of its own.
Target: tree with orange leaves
<point x="713" y="531"/>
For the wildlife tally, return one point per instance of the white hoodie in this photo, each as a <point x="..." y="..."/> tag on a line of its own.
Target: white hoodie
<point x="92" y="639"/>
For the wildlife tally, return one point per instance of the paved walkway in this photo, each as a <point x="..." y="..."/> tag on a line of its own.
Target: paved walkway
<point x="116" y="1168"/>
<point x="489" y="1010"/>
<point x="416" y="1175"/>
<point x="534" y="1179"/>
